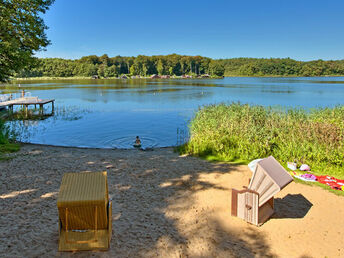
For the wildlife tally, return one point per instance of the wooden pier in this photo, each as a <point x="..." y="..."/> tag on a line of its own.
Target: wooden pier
<point x="25" y="102"/>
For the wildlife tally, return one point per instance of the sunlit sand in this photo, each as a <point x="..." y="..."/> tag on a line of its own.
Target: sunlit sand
<point x="164" y="205"/>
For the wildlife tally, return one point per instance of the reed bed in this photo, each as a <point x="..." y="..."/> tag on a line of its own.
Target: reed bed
<point x="241" y="133"/>
<point x="7" y="143"/>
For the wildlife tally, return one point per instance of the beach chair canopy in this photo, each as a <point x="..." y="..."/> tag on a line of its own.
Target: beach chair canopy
<point x="268" y="179"/>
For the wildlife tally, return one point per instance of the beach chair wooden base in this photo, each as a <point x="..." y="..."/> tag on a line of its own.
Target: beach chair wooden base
<point x="245" y="206"/>
<point x="84" y="240"/>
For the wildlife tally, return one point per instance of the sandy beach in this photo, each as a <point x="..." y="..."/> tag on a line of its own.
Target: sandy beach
<point x="164" y="205"/>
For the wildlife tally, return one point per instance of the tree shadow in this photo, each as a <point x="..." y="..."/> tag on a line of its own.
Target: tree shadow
<point x="294" y="206"/>
<point x="156" y="209"/>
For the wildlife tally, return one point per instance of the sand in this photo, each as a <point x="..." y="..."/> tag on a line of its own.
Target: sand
<point x="164" y="205"/>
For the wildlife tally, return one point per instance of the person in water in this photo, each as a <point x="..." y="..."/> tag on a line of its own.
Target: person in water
<point x="137" y="141"/>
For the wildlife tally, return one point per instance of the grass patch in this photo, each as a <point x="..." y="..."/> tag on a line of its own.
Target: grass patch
<point x="7" y="143"/>
<point x="242" y="133"/>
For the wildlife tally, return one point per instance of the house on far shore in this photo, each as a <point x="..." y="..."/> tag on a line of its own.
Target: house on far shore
<point x="95" y="77"/>
<point x="165" y="76"/>
<point x="205" y="75"/>
<point x="155" y="76"/>
<point x="124" y="76"/>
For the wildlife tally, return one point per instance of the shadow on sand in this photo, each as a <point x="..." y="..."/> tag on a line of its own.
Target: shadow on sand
<point x="155" y="206"/>
<point x="293" y="206"/>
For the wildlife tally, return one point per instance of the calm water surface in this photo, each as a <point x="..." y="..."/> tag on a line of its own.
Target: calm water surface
<point x="110" y="113"/>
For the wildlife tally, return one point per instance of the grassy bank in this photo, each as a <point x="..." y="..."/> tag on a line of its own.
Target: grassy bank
<point x="45" y="78"/>
<point x="51" y="78"/>
<point x="241" y="133"/>
<point x="7" y="145"/>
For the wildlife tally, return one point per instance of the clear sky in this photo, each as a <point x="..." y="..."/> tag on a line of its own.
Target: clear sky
<point x="302" y="29"/>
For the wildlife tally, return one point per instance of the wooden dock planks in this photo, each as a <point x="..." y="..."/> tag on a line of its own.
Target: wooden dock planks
<point x="26" y="101"/>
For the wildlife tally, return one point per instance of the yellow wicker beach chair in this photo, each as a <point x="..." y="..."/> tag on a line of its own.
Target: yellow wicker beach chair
<point x="85" y="212"/>
<point x="255" y="204"/>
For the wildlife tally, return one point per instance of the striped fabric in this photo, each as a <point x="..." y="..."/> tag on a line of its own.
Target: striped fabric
<point x="80" y="194"/>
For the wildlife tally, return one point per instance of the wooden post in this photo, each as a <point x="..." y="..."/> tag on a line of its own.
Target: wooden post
<point x="26" y="108"/>
<point x="41" y="109"/>
<point x="52" y="107"/>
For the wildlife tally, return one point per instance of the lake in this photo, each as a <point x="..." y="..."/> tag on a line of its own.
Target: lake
<point x="110" y="113"/>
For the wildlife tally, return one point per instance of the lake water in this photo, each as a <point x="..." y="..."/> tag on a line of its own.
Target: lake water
<point x="111" y="113"/>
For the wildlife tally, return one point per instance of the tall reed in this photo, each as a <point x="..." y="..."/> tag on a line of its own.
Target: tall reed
<point x="243" y="132"/>
<point x="7" y="143"/>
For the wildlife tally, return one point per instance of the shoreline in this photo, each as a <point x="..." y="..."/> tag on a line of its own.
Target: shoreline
<point x="157" y="149"/>
<point x="109" y="78"/>
<point x="164" y="205"/>
<point x="177" y="77"/>
<point x="94" y="148"/>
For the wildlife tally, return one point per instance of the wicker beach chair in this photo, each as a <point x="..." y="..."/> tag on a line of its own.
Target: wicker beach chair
<point x="85" y="212"/>
<point x="255" y="204"/>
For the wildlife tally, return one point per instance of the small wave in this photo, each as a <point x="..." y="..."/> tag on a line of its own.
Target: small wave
<point x="127" y="142"/>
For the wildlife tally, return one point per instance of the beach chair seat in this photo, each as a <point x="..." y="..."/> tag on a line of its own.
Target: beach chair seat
<point x="255" y="203"/>
<point x="85" y="212"/>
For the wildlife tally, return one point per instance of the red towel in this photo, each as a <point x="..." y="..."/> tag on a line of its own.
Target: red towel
<point x="331" y="181"/>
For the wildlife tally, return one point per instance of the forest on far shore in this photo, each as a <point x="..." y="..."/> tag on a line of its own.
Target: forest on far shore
<point x="178" y="65"/>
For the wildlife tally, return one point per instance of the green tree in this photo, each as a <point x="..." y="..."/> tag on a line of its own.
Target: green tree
<point x="133" y="70"/>
<point x="111" y="71"/>
<point x="22" y="32"/>
<point x="101" y="70"/>
<point x="93" y="59"/>
<point x="216" y="68"/>
<point x="182" y="65"/>
<point x="104" y="59"/>
<point x="144" y="69"/>
<point x="178" y="65"/>
<point x="160" y="67"/>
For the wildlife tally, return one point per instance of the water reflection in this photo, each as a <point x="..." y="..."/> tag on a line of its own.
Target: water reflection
<point x="109" y="113"/>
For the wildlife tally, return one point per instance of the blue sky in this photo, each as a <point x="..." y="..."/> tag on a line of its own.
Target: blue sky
<point x="302" y="30"/>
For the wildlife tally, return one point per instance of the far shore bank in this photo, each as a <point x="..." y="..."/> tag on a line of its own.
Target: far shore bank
<point x="172" y="77"/>
<point x="126" y="77"/>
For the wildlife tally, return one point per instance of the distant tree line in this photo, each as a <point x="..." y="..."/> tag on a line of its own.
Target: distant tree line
<point x="281" y="67"/>
<point x="105" y="67"/>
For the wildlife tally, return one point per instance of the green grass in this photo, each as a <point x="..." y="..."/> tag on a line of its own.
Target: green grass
<point x="51" y="78"/>
<point x="45" y="78"/>
<point x="7" y="144"/>
<point x="241" y="133"/>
